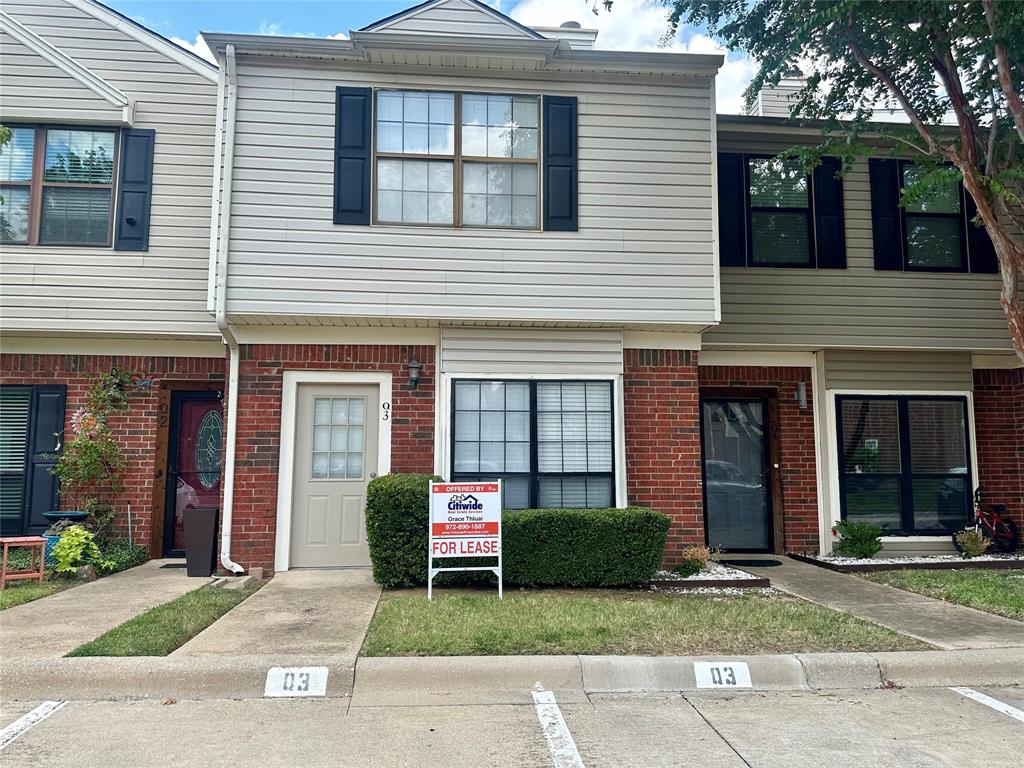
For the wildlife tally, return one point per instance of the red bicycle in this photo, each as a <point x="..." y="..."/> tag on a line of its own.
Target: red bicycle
<point x="993" y="524"/>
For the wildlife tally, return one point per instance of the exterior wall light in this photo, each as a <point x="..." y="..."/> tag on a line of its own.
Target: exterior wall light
<point x="801" y="395"/>
<point x="414" y="372"/>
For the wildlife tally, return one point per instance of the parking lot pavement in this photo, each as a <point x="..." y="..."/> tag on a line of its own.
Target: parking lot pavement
<point x="906" y="728"/>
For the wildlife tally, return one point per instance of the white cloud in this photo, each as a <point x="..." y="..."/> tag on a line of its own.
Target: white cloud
<point x="269" y="28"/>
<point x="638" y="25"/>
<point x="199" y="48"/>
<point x="338" y="36"/>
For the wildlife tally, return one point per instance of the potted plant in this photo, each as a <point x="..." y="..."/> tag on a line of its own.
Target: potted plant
<point x="52" y="535"/>
<point x="90" y="467"/>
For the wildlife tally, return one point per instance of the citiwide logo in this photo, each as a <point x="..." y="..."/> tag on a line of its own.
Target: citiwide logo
<point x="464" y="503"/>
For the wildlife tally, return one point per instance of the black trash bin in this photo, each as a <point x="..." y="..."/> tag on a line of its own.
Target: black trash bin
<point x="200" y="540"/>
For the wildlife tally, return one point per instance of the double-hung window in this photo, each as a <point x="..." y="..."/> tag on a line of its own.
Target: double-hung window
<point x="57" y="186"/>
<point x="779" y="213"/>
<point x="933" y="225"/>
<point x="457" y="159"/>
<point x="550" y="442"/>
<point x="904" y="462"/>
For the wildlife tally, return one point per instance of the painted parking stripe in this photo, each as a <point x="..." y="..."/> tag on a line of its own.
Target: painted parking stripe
<point x="23" y="723"/>
<point x="988" y="701"/>
<point x="560" y="742"/>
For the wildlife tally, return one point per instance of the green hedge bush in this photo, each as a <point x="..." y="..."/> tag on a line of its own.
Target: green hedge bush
<point x="123" y="554"/>
<point x="542" y="547"/>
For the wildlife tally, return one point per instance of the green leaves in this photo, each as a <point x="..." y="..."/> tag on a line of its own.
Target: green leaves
<point x="77" y="547"/>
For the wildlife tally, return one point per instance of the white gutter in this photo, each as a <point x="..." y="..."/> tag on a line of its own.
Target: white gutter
<point x="222" y="231"/>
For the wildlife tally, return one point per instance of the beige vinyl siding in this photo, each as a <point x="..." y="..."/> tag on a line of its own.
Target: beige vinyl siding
<point x="642" y="252"/>
<point x="34" y="89"/>
<point x="531" y="351"/>
<point x="868" y="371"/>
<point x="857" y="306"/>
<point x="453" y="17"/>
<point x="99" y="290"/>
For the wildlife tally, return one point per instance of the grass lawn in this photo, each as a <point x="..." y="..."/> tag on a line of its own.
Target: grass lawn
<point x="166" y="627"/>
<point x="17" y="592"/>
<point x="464" y="623"/>
<point x="994" y="591"/>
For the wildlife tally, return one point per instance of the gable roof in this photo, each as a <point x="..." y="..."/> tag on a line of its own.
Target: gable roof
<point x="453" y="17"/>
<point x="69" y="66"/>
<point x="147" y="37"/>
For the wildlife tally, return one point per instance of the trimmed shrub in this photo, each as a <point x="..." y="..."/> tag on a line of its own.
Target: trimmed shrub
<point x="861" y="540"/>
<point x="542" y="547"/>
<point x="582" y="547"/>
<point x="397" y="516"/>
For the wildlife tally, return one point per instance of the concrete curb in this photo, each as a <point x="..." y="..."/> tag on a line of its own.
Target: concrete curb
<point x="483" y="679"/>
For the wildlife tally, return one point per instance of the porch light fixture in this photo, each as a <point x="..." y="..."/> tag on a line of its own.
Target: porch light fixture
<point x="414" y="372"/>
<point x="801" y="395"/>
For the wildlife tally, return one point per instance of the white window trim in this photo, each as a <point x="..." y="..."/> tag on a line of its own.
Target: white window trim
<point x="832" y="513"/>
<point x="442" y="421"/>
<point x="286" y="467"/>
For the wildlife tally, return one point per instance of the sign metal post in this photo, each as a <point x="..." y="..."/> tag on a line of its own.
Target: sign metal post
<point x="465" y="521"/>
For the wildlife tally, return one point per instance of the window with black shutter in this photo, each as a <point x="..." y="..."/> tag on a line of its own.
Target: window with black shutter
<point x="772" y="214"/>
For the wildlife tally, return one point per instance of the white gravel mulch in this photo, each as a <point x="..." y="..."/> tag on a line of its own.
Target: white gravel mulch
<point x="713" y="572"/>
<point x="839" y="560"/>
<point x="717" y="592"/>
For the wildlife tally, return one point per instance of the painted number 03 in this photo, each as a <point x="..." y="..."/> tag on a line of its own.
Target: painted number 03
<point x="385" y="411"/>
<point x="723" y="676"/>
<point x="295" y="681"/>
<point x="718" y="674"/>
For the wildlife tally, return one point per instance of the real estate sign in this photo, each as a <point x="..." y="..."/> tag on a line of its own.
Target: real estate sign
<point x="465" y="521"/>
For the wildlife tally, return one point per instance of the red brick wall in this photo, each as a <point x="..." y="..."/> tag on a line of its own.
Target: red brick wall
<point x="135" y="428"/>
<point x="796" y="438"/>
<point x="999" y="431"/>
<point x="663" y="454"/>
<point x="261" y="371"/>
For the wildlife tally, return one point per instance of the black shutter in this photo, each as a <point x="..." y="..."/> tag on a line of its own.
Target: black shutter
<point x="352" y="137"/>
<point x="135" y="189"/>
<point x="829" y="228"/>
<point x="886" y="227"/>
<point x="732" y="217"/>
<point x="46" y="436"/>
<point x="981" y="252"/>
<point x="560" y="164"/>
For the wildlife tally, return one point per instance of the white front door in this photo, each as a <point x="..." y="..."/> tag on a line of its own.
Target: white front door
<point x="335" y="458"/>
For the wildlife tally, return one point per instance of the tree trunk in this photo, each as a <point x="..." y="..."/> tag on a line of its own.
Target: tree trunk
<point x="1011" y="259"/>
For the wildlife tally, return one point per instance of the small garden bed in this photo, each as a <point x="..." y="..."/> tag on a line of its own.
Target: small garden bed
<point x="929" y="562"/>
<point x="1000" y="592"/>
<point x="713" y="575"/>
<point x="166" y="627"/>
<point x="471" y="623"/>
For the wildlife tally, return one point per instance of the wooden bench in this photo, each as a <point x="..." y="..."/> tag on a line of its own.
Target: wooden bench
<point x="34" y="544"/>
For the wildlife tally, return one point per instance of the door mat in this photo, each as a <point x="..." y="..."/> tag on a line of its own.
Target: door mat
<point x="740" y="563"/>
<point x="172" y="565"/>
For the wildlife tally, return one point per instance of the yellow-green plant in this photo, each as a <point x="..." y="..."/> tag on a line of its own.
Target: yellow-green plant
<point x="972" y="543"/>
<point x="77" y="547"/>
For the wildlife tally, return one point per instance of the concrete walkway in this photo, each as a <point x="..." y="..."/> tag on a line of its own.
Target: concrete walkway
<point x="52" y="626"/>
<point x="944" y="625"/>
<point x="299" y="613"/>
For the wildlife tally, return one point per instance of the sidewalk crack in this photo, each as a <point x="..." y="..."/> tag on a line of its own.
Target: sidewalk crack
<point x="717" y="732"/>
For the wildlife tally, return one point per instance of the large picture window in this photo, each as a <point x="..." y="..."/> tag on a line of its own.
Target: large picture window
<point x="549" y="441"/>
<point x="57" y="186"/>
<point x="904" y="462"/>
<point x="454" y="159"/>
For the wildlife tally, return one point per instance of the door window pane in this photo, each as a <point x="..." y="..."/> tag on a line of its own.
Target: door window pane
<point x="338" y="425"/>
<point x="871" y="436"/>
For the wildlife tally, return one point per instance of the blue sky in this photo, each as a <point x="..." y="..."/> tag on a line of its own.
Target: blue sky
<point x="630" y="25"/>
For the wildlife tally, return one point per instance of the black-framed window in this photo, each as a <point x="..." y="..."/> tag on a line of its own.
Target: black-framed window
<point x="57" y="185"/>
<point x="550" y="442"/>
<point x="457" y="159"/>
<point x="933" y="227"/>
<point x="772" y="214"/>
<point x="905" y="462"/>
<point x="778" y="213"/>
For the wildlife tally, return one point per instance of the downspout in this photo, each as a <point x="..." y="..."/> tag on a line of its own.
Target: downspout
<point x="222" y="232"/>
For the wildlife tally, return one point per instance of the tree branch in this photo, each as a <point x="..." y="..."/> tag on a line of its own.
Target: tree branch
<point x="1013" y="100"/>
<point x="888" y="82"/>
<point x="993" y="131"/>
